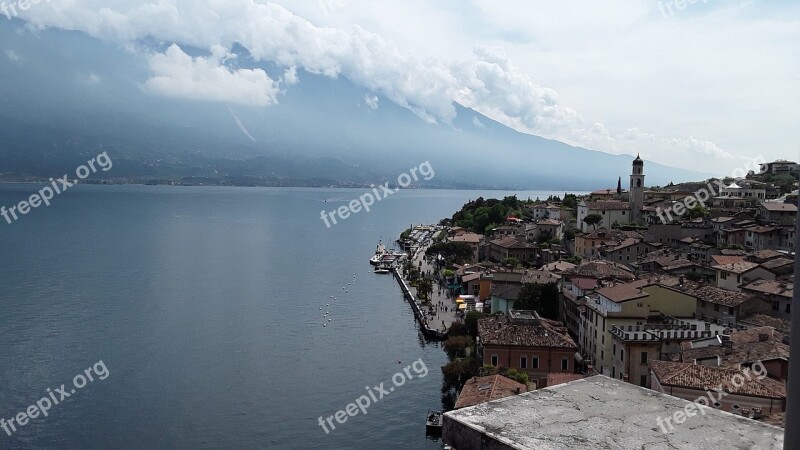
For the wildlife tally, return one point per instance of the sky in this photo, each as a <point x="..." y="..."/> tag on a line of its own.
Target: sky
<point x="707" y="85"/>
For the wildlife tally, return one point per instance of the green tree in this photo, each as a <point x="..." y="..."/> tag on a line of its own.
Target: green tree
<point x="593" y="220"/>
<point x="471" y="321"/>
<point x="518" y="376"/>
<point x="456" y="345"/>
<point x="699" y="211"/>
<point x="457" y="329"/>
<point x="542" y="298"/>
<point x="425" y="288"/>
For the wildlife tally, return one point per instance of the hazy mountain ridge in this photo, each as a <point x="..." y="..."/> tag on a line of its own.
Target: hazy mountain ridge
<point x="67" y="97"/>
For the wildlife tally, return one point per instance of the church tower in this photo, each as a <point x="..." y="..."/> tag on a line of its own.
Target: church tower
<point x="637" y="190"/>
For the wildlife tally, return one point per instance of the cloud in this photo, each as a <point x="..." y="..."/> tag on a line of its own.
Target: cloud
<point x="241" y="125"/>
<point x="178" y="75"/>
<point x="290" y="76"/>
<point x="477" y="123"/>
<point x="372" y="101"/>
<point x="12" y="56"/>
<point x="627" y="55"/>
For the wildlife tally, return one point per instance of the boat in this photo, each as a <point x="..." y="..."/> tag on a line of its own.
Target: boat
<point x="384" y="255"/>
<point x="382" y="270"/>
<point x="433" y="422"/>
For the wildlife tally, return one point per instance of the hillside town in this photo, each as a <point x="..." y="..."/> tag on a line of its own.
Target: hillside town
<point x="674" y="293"/>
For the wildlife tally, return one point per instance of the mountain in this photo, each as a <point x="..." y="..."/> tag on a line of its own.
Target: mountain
<point x="66" y="97"/>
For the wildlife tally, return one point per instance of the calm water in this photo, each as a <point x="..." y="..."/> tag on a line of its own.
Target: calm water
<point x="203" y="304"/>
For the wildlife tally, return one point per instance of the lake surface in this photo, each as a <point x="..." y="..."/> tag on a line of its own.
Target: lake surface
<point x="203" y="305"/>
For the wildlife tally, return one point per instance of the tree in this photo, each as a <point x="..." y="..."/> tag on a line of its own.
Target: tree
<point x="570" y="201"/>
<point x="456" y="345"/>
<point x="453" y="252"/>
<point x="518" y="376"/>
<point x="593" y="220"/>
<point x="457" y="329"/>
<point x="542" y="298"/>
<point x="471" y="322"/>
<point x="425" y="288"/>
<point x="699" y="211"/>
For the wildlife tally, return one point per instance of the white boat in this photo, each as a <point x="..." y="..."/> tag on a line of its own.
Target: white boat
<point x="384" y="255"/>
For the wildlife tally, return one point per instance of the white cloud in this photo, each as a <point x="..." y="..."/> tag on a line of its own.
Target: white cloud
<point x="684" y="90"/>
<point x="290" y="76"/>
<point x="477" y="123"/>
<point x="177" y="74"/>
<point x="12" y="56"/>
<point x="372" y="101"/>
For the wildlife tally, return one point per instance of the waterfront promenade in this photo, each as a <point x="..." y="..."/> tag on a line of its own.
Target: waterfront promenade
<point x="434" y="316"/>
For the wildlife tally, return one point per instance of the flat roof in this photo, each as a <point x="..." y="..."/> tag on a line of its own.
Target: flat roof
<point x="601" y="412"/>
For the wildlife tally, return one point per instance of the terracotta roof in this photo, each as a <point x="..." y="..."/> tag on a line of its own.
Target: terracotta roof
<point x="773" y="287"/>
<point x="765" y="255"/>
<point x="604" y="270"/>
<point x="763" y="320"/>
<point x="559" y="266"/>
<point x="774" y="206"/>
<point x="722" y="260"/>
<point x="713" y="294"/>
<point x="700" y="377"/>
<point x="511" y="242"/>
<point x="777" y="263"/>
<point x="479" y="390"/>
<point x="623" y="292"/>
<point x="500" y="330"/>
<point x="471" y="238"/>
<point x="740" y="267"/>
<point x="745" y="347"/>
<point x="539" y="277"/>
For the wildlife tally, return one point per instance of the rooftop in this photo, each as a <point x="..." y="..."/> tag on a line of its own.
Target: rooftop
<point x="739" y="267"/>
<point x="502" y="330"/>
<point x="599" y="412"/>
<point x="772" y="287"/>
<point x="695" y="376"/>
<point x="713" y="294"/>
<point x="479" y="390"/>
<point x="779" y="207"/>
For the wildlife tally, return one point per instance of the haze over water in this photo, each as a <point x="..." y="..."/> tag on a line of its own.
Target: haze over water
<point x="203" y="303"/>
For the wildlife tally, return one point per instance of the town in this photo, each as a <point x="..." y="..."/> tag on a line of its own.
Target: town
<point x="597" y="296"/>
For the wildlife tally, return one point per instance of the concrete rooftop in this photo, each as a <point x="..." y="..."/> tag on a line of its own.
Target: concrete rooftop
<point x="600" y="413"/>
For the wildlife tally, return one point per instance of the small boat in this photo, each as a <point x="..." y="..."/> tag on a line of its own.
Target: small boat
<point x="433" y="422"/>
<point x="382" y="270"/>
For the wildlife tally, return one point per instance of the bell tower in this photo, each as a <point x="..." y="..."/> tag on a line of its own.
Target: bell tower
<point x="637" y="190"/>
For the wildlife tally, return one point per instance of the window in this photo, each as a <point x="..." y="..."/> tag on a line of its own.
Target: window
<point x="723" y="275"/>
<point x="564" y="363"/>
<point x="644" y="357"/>
<point x="613" y="372"/>
<point x="494" y="360"/>
<point x="535" y="362"/>
<point x="523" y="362"/>
<point x="776" y="306"/>
<point x="716" y="307"/>
<point x="643" y="380"/>
<point x="788" y="308"/>
<point x="730" y="310"/>
<point x="622" y="354"/>
<point x="614" y="349"/>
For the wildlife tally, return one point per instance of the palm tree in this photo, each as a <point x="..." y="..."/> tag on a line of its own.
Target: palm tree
<point x="425" y="288"/>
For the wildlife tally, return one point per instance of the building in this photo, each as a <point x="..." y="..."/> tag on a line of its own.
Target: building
<point x="731" y="276"/>
<point x="600" y="412"/>
<point x="611" y="212"/>
<point x="524" y="341"/>
<point x="637" y="190"/>
<point x="634" y="346"/>
<point x="473" y="240"/>
<point x="778" y="295"/>
<point x="779" y="167"/>
<point x="740" y="392"/>
<point x="623" y="305"/>
<point x="502" y="249"/>
<point x="781" y="213"/>
<point x="479" y="390"/>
